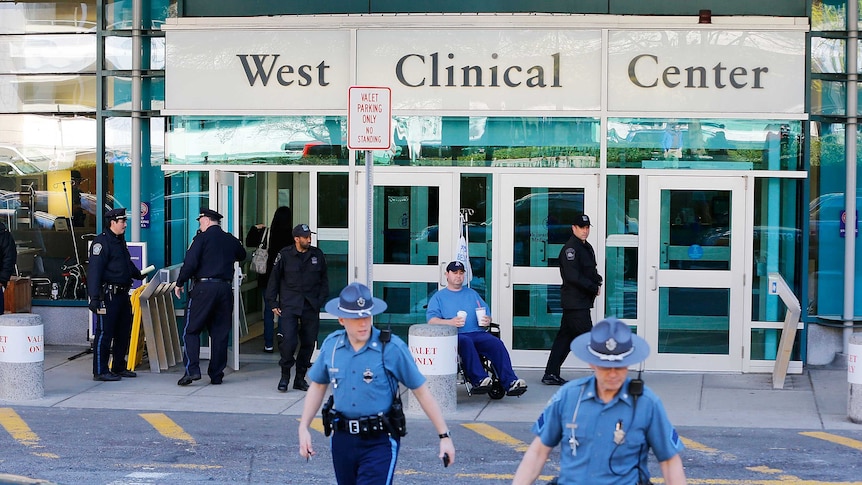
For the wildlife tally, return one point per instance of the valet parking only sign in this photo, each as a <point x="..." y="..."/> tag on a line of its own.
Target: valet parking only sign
<point x="369" y="118"/>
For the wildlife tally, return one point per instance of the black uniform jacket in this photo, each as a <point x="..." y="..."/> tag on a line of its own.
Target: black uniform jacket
<point x="110" y="263"/>
<point x="581" y="279"/>
<point x="8" y="254"/>
<point x="211" y="255"/>
<point x="297" y="278"/>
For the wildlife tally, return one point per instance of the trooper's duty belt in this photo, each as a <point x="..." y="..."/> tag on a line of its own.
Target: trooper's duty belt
<point x="214" y="280"/>
<point x="115" y="289"/>
<point x="363" y="426"/>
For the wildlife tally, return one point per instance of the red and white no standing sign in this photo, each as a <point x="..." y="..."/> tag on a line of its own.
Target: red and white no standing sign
<point x="369" y="118"/>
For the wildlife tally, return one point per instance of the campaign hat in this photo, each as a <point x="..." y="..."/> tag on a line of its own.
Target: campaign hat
<point x="610" y="343"/>
<point x="355" y="301"/>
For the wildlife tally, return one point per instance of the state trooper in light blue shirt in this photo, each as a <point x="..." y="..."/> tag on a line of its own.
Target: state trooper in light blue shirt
<point x="364" y="370"/>
<point x="606" y="422"/>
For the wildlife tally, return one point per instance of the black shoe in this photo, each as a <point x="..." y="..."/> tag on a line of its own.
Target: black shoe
<point x="216" y="381"/>
<point x="106" y="377"/>
<point x="300" y="385"/>
<point x="125" y="373"/>
<point x="282" y="384"/>
<point x="552" y="380"/>
<point x="268" y="350"/>
<point x="187" y="379"/>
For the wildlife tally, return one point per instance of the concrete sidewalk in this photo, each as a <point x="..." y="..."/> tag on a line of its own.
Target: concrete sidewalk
<point x="814" y="400"/>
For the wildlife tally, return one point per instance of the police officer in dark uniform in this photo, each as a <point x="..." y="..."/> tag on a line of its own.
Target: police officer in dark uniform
<point x="8" y="258"/>
<point x="209" y="264"/>
<point x="581" y="285"/>
<point x="296" y="292"/>
<point x="109" y="278"/>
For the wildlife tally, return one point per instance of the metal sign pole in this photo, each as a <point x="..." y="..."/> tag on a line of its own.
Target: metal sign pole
<point x="369" y="219"/>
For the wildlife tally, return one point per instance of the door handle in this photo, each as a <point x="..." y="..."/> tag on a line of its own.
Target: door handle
<point x="442" y="282"/>
<point x="666" y="251"/>
<point x="507" y="275"/>
<point x="654" y="278"/>
<point x="545" y="251"/>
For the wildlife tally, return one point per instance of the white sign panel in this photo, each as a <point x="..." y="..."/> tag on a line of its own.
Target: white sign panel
<point x="854" y="363"/>
<point x="435" y="356"/>
<point x="707" y="70"/>
<point x="256" y="70"/>
<point x="496" y="70"/>
<point x="369" y="118"/>
<point x="22" y="344"/>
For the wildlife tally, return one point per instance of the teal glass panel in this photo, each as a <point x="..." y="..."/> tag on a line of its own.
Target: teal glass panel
<point x="828" y="15"/>
<point x="336" y="264"/>
<point x="405" y="224"/>
<point x="476" y="200"/>
<point x="237" y="140"/>
<point x="828" y="97"/>
<point x="694" y="320"/>
<point x="48" y="93"/>
<point x="332" y="200"/>
<point x="188" y="194"/>
<point x="777" y="243"/>
<point x="537" y="313"/>
<point x="705" y="144"/>
<point x="119" y="91"/>
<point x="406" y="304"/>
<point x="494" y="142"/>
<point x="695" y="230"/>
<point x="543" y="223"/>
<point x="764" y="344"/>
<point x="620" y="288"/>
<point x="119" y="13"/>
<point x="623" y="206"/>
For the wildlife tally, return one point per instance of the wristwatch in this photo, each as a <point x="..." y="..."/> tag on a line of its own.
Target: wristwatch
<point x="445" y="435"/>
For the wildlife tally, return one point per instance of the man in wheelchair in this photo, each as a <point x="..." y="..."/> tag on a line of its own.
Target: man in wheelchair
<point x="456" y="305"/>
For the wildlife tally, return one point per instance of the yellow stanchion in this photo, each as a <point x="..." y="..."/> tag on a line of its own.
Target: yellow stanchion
<point x="136" y="344"/>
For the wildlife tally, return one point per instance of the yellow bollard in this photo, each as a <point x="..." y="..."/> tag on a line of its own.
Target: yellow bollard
<point x="136" y="343"/>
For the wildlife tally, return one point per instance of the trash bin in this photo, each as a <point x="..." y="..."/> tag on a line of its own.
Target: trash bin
<point x="22" y="357"/>
<point x="435" y="351"/>
<point x="854" y="378"/>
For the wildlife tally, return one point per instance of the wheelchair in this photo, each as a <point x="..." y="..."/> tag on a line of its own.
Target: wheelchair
<point x="497" y="391"/>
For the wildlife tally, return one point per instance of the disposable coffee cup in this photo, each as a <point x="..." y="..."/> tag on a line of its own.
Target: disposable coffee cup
<point x="462" y="314"/>
<point x="480" y="315"/>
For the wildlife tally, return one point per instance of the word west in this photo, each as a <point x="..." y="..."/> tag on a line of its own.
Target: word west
<point x="285" y="75"/>
<point x="424" y="355"/>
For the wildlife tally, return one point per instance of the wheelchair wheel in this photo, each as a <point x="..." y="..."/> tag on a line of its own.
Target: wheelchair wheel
<point x="497" y="390"/>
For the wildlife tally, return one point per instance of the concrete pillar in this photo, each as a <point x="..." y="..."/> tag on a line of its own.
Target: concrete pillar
<point x="435" y="351"/>
<point x="854" y="378"/>
<point x="22" y="357"/>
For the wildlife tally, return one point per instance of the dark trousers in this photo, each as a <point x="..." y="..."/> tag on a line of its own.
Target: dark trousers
<point x="573" y="323"/>
<point x="364" y="460"/>
<point x="301" y="329"/>
<point x="472" y="344"/>
<point x="112" y="334"/>
<point x="210" y="307"/>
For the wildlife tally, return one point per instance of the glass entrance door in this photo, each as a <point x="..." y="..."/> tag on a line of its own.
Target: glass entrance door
<point x="536" y="214"/>
<point x="695" y="275"/>
<point x="415" y="226"/>
<point x="226" y="199"/>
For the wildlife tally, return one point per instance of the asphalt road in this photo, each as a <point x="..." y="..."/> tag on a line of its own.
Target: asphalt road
<point x="71" y="446"/>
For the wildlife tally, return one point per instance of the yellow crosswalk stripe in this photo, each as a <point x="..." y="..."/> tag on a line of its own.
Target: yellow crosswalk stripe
<point x="834" y="438"/>
<point x="167" y="428"/>
<point x="17" y="428"/>
<point x="497" y="436"/>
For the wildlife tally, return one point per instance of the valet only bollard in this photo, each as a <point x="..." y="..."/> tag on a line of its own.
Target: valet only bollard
<point x="22" y="357"/>
<point x="854" y="378"/>
<point x="435" y="351"/>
